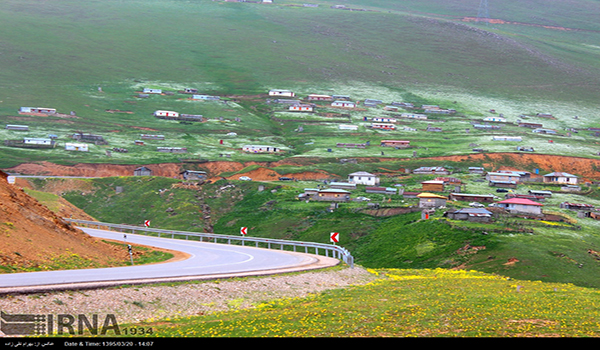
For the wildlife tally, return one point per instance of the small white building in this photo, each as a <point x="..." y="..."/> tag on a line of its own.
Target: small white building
<point x="161" y="113"/>
<point x="260" y="149"/>
<point x="206" y="97"/>
<point x="42" y="110"/>
<point x="384" y="120"/>
<point x="561" y="178"/>
<point x="152" y="91"/>
<point x="285" y="93"/>
<point x="413" y="116"/>
<point x="37" y="141"/>
<point x="317" y="97"/>
<point x="301" y="108"/>
<point x="82" y="147"/>
<point x="363" y="178"/>
<point x="343" y="104"/>
<point x="348" y="127"/>
<point x="383" y="126"/>
<point x="494" y="119"/>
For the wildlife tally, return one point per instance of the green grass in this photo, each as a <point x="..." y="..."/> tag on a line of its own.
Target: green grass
<point x="409" y="303"/>
<point x="396" y="52"/>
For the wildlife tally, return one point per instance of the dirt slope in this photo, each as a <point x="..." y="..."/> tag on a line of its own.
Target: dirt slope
<point x="32" y="235"/>
<point x="584" y="167"/>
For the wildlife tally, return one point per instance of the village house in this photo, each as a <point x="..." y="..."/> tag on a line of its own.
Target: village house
<point x="31" y="142"/>
<point x="142" y="171"/>
<point x="206" y="97"/>
<point x="576" y="206"/>
<point x="382" y="190"/>
<point x="540" y="193"/>
<point x="332" y="195"/>
<point x="544" y="115"/>
<point x="301" y="108"/>
<point x="384" y="120"/>
<point x="544" y="131"/>
<point x="316" y="97"/>
<point x="82" y="147"/>
<point x="286" y="101"/>
<point x="486" y="127"/>
<point x="37" y="110"/>
<point x="521" y="206"/>
<point x="433" y="186"/>
<point x="37" y="141"/>
<point x="495" y="119"/>
<point x="476" y="170"/>
<point x="530" y="125"/>
<point x="85" y="137"/>
<point x="430" y="200"/>
<point x="190" y="91"/>
<point x="152" y="91"/>
<point x="341" y="97"/>
<point x="413" y="116"/>
<point x="480" y="198"/>
<point x="395" y="143"/>
<point x="260" y="149"/>
<point x="363" y="178"/>
<point x="532" y="197"/>
<point x="342" y="185"/>
<point x="17" y="127"/>
<point x="432" y="171"/>
<point x="525" y="149"/>
<point x="403" y="104"/>
<point x="161" y="113"/>
<point x="503" y="176"/>
<point x="390" y="108"/>
<point x="383" y="126"/>
<point x="193" y="175"/>
<point x="284" y="93"/>
<point x="470" y="214"/>
<point x="560" y="178"/>
<point x="343" y="104"/>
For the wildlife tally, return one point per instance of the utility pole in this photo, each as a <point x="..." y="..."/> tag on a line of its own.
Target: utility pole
<point x="483" y="15"/>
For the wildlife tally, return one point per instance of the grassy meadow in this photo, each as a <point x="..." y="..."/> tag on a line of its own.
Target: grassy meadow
<point x="59" y="54"/>
<point x="408" y="303"/>
<point x="532" y="278"/>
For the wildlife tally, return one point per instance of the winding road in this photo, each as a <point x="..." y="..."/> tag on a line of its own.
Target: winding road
<point x="204" y="260"/>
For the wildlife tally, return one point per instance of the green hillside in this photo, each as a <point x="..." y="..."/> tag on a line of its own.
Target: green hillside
<point x="91" y="57"/>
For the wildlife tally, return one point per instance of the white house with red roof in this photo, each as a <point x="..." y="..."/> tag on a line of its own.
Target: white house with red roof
<point x="521" y="206"/>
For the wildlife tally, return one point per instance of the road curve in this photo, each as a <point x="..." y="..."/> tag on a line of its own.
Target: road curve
<point x="204" y="261"/>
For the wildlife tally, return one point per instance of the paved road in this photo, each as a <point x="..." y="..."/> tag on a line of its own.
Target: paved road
<point x="206" y="261"/>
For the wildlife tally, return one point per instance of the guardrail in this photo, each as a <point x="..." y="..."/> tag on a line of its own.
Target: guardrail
<point x="336" y="252"/>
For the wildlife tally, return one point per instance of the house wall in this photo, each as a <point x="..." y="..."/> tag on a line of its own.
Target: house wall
<point x="431" y="202"/>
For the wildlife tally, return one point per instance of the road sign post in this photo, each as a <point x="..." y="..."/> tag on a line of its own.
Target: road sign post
<point x="130" y="253"/>
<point x="334" y="237"/>
<point x="147" y="223"/>
<point x="244" y="231"/>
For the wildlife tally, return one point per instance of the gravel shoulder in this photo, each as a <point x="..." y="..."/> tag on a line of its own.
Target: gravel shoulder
<point x="155" y="302"/>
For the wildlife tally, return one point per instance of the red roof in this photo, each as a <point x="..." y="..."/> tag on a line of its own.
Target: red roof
<point x="523" y="201"/>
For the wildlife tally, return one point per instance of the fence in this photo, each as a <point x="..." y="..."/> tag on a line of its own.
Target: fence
<point x="329" y="250"/>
